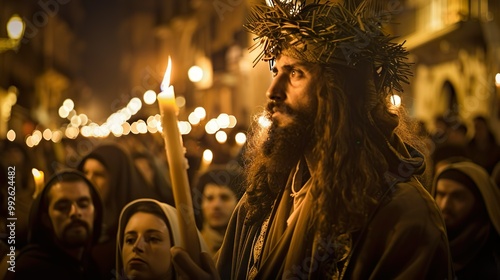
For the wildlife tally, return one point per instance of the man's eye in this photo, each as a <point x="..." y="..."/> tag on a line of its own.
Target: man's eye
<point x="296" y="73"/>
<point x="83" y="203"/>
<point x="63" y="207"/>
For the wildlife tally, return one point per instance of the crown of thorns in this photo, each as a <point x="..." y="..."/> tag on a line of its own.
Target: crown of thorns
<point x="330" y="33"/>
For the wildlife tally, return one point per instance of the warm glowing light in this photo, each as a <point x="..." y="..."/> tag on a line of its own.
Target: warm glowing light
<point x="29" y="142"/>
<point x="134" y="105"/>
<point x="193" y="118"/>
<point x="83" y="119"/>
<point x="221" y="136"/>
<point x="142" y="127"/>
<point x="126" y="128"/>
<point x="232" y="121"/>
<point x="149" y="97"/>
<point x="184" y="127"/>
<point x="57" y="136"/>
<point x="195" y="74"/>
<point x="36" y="137"/>
<point x="223" y="120"/>
<point x="69" y="104"/>
<point x="180" y="101"/>
<point x="11" y="135"/>
<point x="36" y="173"/>
<point x="396" y="100"/>
<point x="63" y="112"/>
<point x="200" y="112"/>
<point x="264" y="122"/>
<point x="126" y="113"/>
<point x="497" y="79"/>
<point x="166" y="78"/>
<point x="47" y="134"/>
<point x="212" y="126"/>
<point x="15" y="27"/>
<point x="71" y="114"/>
<point x="72" y="132"/>
<point x="133" y="128"/>
<point x="104" y="131"/>
<point x="117" y="130"/>
<point x="151" y="121"/>
<point x="76" y="121"/>
<point x="86" y="131"/>
<point x="39" y="180"/>
<point x="208" y="155"/>
<point x="152" y="129"/>
<point x="240" y="138"/>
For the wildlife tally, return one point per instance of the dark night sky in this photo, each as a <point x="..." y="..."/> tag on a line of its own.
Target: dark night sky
<point x="100" y="60"/>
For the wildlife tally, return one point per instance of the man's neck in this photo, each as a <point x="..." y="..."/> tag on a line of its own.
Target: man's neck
<point x="219" y="231"/>
<point x="312" y="161"/>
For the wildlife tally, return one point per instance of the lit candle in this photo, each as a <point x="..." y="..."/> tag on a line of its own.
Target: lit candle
<point x="178" y="167"/>
<point x="39" y="181"/>
<point x="206" y="160"/>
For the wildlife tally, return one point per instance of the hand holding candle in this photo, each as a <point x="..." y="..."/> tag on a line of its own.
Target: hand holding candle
<point x="178" y="168"/>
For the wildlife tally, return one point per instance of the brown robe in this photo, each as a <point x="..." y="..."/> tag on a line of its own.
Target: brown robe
<point x="404" y="239"/>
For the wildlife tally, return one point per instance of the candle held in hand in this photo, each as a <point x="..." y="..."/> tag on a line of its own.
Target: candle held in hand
<point x="178" y="168"/>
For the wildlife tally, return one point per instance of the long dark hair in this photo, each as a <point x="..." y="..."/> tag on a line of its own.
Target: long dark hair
<point x="353" y="132"/>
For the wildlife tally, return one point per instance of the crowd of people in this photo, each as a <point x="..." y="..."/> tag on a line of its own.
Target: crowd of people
<point x="334" y="188"/>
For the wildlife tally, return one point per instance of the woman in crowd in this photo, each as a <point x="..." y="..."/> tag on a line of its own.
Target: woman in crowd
<point x="147" y="231"/>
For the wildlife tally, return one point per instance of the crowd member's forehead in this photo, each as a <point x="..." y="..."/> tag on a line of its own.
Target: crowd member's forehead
<point x="57" y="192"/>
<point x="211" y="186"/>
<point x="60" y="189"/>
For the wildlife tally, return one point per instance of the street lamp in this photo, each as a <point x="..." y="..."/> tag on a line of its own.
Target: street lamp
<point x="15" y="30"/>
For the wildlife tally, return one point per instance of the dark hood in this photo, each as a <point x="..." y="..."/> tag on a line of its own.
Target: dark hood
<point x="124" y="181"/>
<point x="484" y="183"/>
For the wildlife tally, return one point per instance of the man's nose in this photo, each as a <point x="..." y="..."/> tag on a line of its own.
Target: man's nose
<point x="443" y="203"/>
<point x="75" y="211"/>
<point x="277" y="89"/>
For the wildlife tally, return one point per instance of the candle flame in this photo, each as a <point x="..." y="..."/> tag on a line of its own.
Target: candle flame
<point x="36" y="173"/>
<point x="166" y="78"/>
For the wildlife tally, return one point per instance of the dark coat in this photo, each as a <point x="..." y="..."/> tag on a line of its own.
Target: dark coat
<point x="42" y="258"/>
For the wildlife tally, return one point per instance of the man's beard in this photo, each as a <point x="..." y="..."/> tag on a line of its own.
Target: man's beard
<point x="75" y="239"/>
<point x="275" y="150"/>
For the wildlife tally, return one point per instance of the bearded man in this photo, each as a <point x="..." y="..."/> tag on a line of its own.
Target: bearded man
<point x="333" y="189"/>
<point x="65" y="221"/>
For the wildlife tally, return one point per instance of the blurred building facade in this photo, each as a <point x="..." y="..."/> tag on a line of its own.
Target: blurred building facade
<point x="455" y="45"/>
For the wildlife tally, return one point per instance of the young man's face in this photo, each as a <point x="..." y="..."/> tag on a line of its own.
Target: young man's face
<point x="71" y="213"/>
<point x="455" y="201"/>
<point x="217" y="205"/>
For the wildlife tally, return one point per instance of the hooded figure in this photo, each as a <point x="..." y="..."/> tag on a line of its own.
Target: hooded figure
<point x="470" y="203"/>
<point x="56" y="217"/>
<point x="111" y="169"/>
<point x="147" y="231"/>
